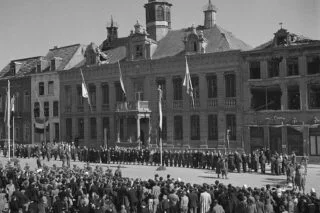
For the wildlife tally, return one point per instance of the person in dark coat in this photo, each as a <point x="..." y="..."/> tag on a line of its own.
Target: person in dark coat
<point x="193" y="201"/>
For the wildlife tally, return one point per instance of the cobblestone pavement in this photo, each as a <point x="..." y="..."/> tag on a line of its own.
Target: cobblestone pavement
<point x="198" y="176"/>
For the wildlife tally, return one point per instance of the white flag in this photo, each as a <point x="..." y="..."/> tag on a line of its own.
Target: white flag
<point x="188" y="83"/>
<point x="12" y="103"/>
<point x="84" y="91"/>
<point x="121" y="80"/>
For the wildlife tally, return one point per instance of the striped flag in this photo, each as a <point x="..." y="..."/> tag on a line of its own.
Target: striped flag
<point x="121" y="79"/>
<point x="160" y="107"/>
<point x="188" y="83"/>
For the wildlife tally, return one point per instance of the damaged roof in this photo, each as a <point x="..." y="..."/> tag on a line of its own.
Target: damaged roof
<point x="27" y="65"/>
<point x="218" y="40"/>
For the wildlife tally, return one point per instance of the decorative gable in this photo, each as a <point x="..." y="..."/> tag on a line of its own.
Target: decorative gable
<point x="195" y="42"/>
<point x="139" y="46"/>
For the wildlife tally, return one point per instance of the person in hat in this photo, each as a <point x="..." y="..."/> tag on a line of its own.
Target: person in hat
<point x="118" y="172"/>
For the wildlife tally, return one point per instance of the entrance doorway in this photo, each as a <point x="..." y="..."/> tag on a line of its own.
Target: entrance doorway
<point x="275" y="139"/>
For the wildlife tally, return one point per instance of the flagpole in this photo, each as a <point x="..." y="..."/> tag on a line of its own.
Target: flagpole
<point x="8" y="114"/>
<point x="13" y="132"/>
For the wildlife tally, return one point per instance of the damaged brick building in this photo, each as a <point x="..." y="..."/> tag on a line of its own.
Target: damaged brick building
<point x="281" y="87"/>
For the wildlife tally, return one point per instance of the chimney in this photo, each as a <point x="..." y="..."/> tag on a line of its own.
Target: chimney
<point x="210" y="12"/>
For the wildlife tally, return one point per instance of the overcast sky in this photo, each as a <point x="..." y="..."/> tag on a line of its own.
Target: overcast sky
<point x="31" y="27"/>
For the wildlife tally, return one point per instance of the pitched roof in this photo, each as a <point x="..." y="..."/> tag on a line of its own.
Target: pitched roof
<point x="218" y="40"/>
<point x="27" y="65"/>
<point x="66" y="53"/>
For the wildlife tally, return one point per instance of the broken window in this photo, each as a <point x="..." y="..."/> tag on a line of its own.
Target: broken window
<point x="293" y="97"/>
<point x="314" y="94"/>
<point x="292" y="66"/>
<point x="274" y="67"/>
<point x="313" y="63"/>
<point x="266" y="98"/>
<point x="255" y="70"/>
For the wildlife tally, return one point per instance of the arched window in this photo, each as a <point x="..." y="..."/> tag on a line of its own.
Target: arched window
<point x="160" y="13"/>
<point x="195" y="48"/>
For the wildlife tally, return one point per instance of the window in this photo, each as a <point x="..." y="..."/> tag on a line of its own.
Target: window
<point x="177" y="89"/>
<point x="293" y="97"/>
<point x="53" y="64"/>
<point x="231" y="126"/>
<point x="68" y="129"/>
<point x="313" y="64"/>
<point x="255" y="72"/>
<point x="212" y="86"/>
<point x="195" y="85"/>
<point x="314" y="141"/>
<point x="79" y="95"/>
<point x="39" y="66"/>
<point x="160" y="13"/>
<point x="46" y="109"/>
<point x="106" y="125"/>
<point x="92" y="94"/>
<point x="120" y="96"/>
<point x="292" y="66"/>
<point x="212" y="127"/>
<point x="178" y="127"/>
<point x="314" y="94"/>
<point x="230" y="81"/>
<point x="80" y="128"/>
<point x="195" y="127"/>
<point x="274" y="67"/>
<point x="93" y="128"/>
<point x="266" y="98"/>
<point x="55" y="108"/>
<point x="195" y="46"/>
<point x="67" y="90"/>
<point x="162" y="82"/>
<point x="50" y="88"/>
<point x="26" y="101"/>
<point x="26" y="132"/>
<point x="315" y="145"/>
<point x="41" y="88"/>
<point x="36" y="110"/>
<point x="105" y="93"/>
<point x="139" y="51"/>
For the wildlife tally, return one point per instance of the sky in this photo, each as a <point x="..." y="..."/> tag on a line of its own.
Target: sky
<point x="31" y="27"/>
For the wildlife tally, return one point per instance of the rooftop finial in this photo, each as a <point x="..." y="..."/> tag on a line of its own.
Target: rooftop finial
<point x="280" y="25"/>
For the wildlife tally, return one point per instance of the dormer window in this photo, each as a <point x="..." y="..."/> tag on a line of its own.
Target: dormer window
<point x="139" y="52"/>
<point x="39" y="66"/>
<point x="53" y="64"/>
<point x="195" y="48"/>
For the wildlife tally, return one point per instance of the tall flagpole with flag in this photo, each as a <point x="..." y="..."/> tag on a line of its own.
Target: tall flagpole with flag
<point x="8" y="115"/>
<point x="188" y="83"/>
<point x="161" y="167"/>
<point x="13" y="130"/>
<point x="85" y="93"/>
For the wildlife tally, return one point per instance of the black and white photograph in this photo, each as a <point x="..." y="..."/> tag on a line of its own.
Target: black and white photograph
<point x="160" y="106"/>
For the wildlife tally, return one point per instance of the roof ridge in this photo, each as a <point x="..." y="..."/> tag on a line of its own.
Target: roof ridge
<point x="25" y="59"/>
<point x="57" y="48"/>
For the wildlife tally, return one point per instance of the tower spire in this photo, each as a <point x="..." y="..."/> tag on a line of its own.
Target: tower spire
<point x="210" y="12"/>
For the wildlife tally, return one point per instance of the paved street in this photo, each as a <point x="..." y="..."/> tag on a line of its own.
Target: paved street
<point x="197" y="175"/>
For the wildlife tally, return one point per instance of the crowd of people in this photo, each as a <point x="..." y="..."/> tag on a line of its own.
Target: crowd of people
<point x="97" y="190"/>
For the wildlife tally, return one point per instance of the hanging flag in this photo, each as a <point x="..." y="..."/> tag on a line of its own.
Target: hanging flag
<point x="188" y="83"/>
<point x="121" y="80"/>
<point x="160" y="107"/>
<point x="12" y="103"/>
<point x="85" y="93"/>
